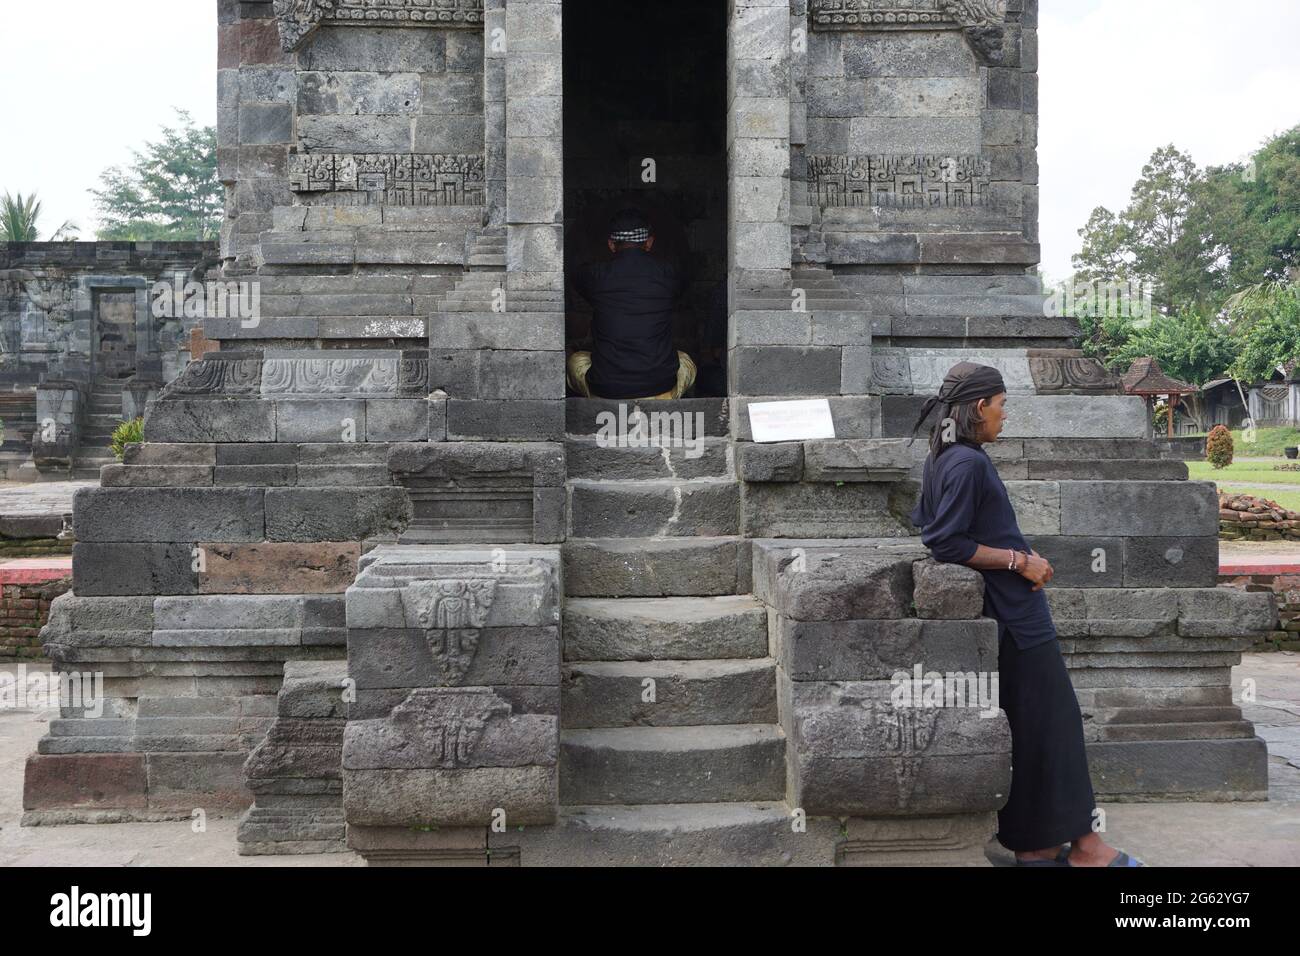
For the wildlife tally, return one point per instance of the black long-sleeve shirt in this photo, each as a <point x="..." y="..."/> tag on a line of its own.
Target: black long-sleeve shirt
<point x="632" y="329"/>
<point x="964" y="504"/>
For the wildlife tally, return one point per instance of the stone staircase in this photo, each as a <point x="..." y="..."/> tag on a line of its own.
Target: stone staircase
<point x="668" y="696"/>
<point x="825" y="293"/>
<point x="476" y="292"/>
<point x="103" y="415"/>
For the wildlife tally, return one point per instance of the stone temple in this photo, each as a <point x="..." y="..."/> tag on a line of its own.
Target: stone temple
<point x="375" y="582"/>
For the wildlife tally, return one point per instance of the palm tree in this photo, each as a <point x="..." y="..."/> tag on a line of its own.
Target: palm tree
<point x="18" y="218"/>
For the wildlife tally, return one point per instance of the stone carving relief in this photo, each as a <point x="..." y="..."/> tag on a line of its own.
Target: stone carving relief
<point x="225" y="377"/>
<point x="395" y="179"/>
<point x="1071" y="373"/>
<point x="452" y="611"/>
<point x="298" y="19"/>
<point x="981" y="20"/>
<point x="449" y="722"/>
<point x="908" y="733"/>
<point x="343" y="377"/>
<point x="898" y="181"/>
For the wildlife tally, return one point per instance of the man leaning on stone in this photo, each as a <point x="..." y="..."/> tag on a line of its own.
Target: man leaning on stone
<point x="632" y="297"/>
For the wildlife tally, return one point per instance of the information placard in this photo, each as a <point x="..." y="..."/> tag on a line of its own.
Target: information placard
<point x="803" y="420"/>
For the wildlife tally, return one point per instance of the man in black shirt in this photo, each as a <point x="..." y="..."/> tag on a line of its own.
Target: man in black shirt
<point x="632" y="327"/>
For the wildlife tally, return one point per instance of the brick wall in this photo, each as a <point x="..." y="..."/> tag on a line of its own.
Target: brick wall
<point x="24" y="609"/>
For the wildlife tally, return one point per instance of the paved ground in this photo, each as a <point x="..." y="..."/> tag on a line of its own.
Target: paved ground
<point x="42" y="498"/>
<point x="1162" y="834"/>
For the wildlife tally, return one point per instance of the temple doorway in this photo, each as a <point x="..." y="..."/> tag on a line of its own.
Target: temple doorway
<point x="645" y="127"/>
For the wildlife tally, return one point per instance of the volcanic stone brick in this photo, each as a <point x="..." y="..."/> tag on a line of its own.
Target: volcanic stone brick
<point x="329" y="514"/>
<point x="856" y="460"/>
<point x="779" y="462"/>
<point x="781" y="370"/>
<point x="528" y="421"/>
<point x="947" y="591"/>
<point x="1079" y="562"/>
<point x="168" y="514"/>
<point x="848" y="760"/>
<point x="877" y="650"/>
<point x="1225" y="612"/>
<point x="502" y="655"/>
<point x="402" y="419"/>
<point x="110" y="569"/>
<point x="652" y="568"/>
<point x="1171" y="562"/>
<point x="1139" y="508"/>
<point x="802" y="510"/>
<point x="654" y="509"/>
<point x="278" y="568"/>
<point x="210" y="420"/>
<point x="102" y="781"/>
<point x="317" y="420"/>
<point x="843" y="586"/>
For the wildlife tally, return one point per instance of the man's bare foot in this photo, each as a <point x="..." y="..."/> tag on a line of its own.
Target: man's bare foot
<point x="1091" y="850"/>
<point x="1048" y="854"/>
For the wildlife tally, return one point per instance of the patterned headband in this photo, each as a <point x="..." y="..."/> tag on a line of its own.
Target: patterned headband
<point x="631" y="235"/>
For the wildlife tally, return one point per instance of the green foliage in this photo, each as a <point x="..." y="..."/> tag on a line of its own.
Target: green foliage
<point x="1189" y="348"/>
<point x="1218" y="447"/>
<point x="18" y="218"/>
<point x="170" y="191"/>
<point x="1149" y="241"/>
<point x="1270" y="340"/>
<point x="125" y="434"/>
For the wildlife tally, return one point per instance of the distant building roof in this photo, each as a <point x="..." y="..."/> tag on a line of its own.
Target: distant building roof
<point x="1146" y="377"/>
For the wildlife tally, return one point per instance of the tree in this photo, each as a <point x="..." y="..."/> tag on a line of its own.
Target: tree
<point x="1149" y="241"/>
<point x="1189" y="348"/>
<point x="1249" y="215"/>
<point x="1271" y="341"/>
<point x="170" y="191"/>
<point x="18" y="218"/>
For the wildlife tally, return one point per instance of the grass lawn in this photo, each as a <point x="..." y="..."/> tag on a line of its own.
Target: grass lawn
<point x="1252" y="471"/>
<point x="1269" y="442"/>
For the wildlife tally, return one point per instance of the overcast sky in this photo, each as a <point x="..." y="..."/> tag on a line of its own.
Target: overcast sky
<point x="82" y="82"/>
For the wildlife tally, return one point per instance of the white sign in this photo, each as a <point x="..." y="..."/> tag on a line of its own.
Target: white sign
<point x="791" y="421"/>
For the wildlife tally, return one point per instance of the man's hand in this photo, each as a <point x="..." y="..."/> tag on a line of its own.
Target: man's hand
<point x="1038" y="570"/>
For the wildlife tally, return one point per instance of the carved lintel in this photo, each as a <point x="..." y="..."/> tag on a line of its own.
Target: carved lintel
<point x="397" y="179"/>
<point x="898" y="181"/>
<point x="982" y="21"/>
<point x="298" y="19"/>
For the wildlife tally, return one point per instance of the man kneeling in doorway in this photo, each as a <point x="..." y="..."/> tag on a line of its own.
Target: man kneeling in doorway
<point x="632" y="296"/>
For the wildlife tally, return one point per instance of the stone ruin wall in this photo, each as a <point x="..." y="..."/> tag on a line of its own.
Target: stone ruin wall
<point x="372" y="472"/>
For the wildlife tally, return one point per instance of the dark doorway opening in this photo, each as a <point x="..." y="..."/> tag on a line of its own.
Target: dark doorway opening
<point x="645" y="127"/>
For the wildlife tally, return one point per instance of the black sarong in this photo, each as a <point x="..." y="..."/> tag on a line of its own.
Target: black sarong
<point x="1051" y="799"/>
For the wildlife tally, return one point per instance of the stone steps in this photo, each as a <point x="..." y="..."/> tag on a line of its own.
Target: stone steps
<point x="600" y="694"/>
<point x="672" y="508"/>
<point x="658" y="629"/>
<point x="601" y="459"/>
<point x="658" y="765"/>
<point x="656" y="567"/>
<point x="676" y="834"/>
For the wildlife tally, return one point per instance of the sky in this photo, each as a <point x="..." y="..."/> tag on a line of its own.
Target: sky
<point x="83" y="82"/>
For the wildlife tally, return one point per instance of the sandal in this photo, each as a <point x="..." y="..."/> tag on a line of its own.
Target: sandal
<point x="1062" y="859"/>
<point x="1122" y="860"/>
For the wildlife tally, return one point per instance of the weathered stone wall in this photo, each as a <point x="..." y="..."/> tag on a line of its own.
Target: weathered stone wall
<point x="403" y="391"/>
<point x="58" y="301"/>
